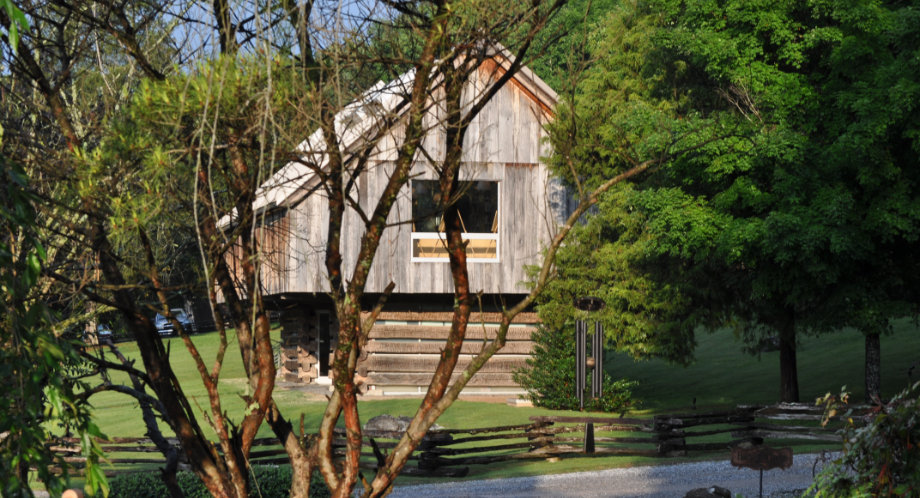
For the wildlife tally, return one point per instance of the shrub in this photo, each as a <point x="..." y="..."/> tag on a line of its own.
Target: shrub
<point x="880" y="458"/>
<point x="275" y="480"/>
<point x="267" y="481"/>
<point x="149" y="485"/>
<point x="549" y="377"/>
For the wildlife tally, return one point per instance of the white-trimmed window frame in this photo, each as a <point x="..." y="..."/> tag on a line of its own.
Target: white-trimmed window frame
<point x="442" y="237"/>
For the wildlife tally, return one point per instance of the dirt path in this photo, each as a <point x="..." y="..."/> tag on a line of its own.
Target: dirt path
<point x="664" y="481"/>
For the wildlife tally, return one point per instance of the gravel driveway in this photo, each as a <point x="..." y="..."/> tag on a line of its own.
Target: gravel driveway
<point x="665" y="481"/>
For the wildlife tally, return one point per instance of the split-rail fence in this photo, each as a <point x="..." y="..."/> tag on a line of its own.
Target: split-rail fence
<point x="450" y="452"/>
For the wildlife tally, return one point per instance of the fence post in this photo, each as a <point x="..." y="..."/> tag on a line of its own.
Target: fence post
<point x="671" y="440"/>
<point x="589" y="437"/>
<point x="430" y="460"/>
<point x="546" y="439"/>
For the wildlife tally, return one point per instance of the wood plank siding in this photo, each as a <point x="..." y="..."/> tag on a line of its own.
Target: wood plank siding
<point x="273" y="236"/>
<point x="514" y="214"/>
<point x="404" y="349"/>
<point x="504" y="144"/>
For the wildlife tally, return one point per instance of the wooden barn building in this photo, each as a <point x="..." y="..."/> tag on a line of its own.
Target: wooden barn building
<point x="510" y="211"/>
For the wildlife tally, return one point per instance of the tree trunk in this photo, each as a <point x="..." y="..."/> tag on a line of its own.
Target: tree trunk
<point x="788" y="368"/>
<point x="168" y="473"/>
<point x="873" y="367"/>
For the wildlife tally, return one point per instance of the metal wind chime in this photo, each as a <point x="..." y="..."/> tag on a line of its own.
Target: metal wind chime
<point x="583" y="362"/>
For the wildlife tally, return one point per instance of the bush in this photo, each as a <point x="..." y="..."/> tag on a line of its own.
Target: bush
<point x="150" y="485"/>
<point x="267" y="481"/>
<point x="880" y="458"/>
<point x="549" y="377"/>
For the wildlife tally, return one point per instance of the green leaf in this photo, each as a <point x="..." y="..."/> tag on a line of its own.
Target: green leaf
<point x="33" y="269"/>
<point x="19" y="22"/>
<point x="14" y="37"/>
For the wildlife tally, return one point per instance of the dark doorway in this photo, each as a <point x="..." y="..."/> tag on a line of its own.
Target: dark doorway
<point x="322" y="338"/>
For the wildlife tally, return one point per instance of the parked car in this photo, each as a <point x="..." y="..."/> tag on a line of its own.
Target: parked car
<point x="165" y="326"/>
<point x="104" y="332"/>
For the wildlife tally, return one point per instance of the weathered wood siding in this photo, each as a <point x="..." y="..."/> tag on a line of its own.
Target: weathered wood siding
<point x="504" y="144"/>
<point x="404" y="349"/>
<point x="275" y="260"/>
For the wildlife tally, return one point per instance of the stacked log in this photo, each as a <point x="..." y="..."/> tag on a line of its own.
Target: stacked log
<point x="404" y="349"/>
<point x="298" y="339"/>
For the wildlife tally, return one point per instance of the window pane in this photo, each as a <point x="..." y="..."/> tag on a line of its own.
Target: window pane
<point x="429" y="248"/>
<point x="433" y="247"/>
<point x="482" y="248"/>
<point x="478" y="206"/>
<point x="425" y="198"/>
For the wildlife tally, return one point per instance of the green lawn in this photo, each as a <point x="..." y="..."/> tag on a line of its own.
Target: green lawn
<point x="721" y="376"/>
<point x="119" y="415"/>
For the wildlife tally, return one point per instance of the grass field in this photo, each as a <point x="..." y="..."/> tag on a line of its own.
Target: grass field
<point x="721" y="376"/>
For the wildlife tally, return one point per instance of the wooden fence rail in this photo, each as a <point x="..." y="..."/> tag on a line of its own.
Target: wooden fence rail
<point x="449" y="452"/>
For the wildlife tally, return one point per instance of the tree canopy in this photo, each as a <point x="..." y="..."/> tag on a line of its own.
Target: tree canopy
<point x="789" y="199"/>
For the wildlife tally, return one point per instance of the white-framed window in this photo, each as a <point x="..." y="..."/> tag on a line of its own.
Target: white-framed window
<point x="479" y="216"/>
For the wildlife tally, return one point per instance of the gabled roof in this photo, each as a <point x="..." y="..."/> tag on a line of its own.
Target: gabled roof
<point x="351" y="123"/>
<point x="361" y="116"/>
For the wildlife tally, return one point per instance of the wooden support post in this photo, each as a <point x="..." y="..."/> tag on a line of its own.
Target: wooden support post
<point x="589" y="437"/>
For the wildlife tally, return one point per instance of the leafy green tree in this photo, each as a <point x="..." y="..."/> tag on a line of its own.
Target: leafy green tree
<point x="624" y="115"/>
<point x="868" y="136"/>
<point x="766" y="215"/>
<point x="566" y="42"/>
<point x="609" y="257"/>
<point x="40" y="402"/>
<point x="549" y="377"/>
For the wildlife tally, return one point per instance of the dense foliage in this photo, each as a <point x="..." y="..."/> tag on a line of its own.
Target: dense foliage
<point x="267" y="481"/>
<point x="647" y="314"/>
<point x="788" y="196"/>
<point x="880" y="456"/>
<point x="39" y="400"/>
<point x="567" y="52"/>
<point x="549" y="377"/>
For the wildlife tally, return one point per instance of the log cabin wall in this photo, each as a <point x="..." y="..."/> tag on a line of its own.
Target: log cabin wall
<point x="298" y="345"/>
<point x="404" y="349"/>
<point x="307" y="341"/>
<point x="273" y="235"/>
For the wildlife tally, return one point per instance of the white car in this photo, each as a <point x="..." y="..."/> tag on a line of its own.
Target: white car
<point x="165" y="325"/>
<point x="103" y="331"/>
